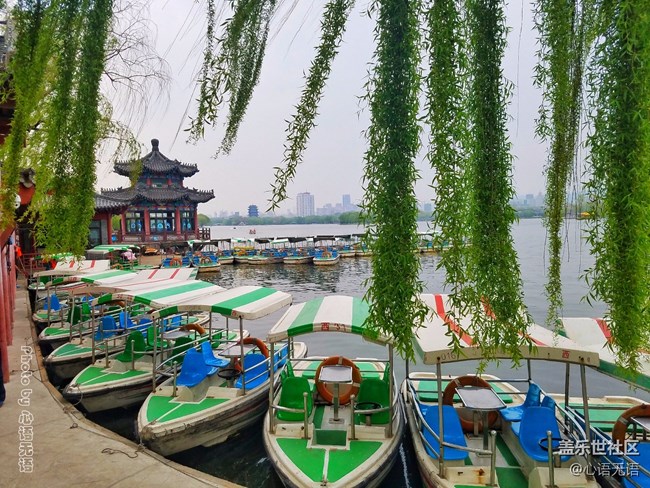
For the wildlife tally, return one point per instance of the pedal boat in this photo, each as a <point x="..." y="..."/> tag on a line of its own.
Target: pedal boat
<point x="496" y="434"/>
<point x="214" y="397"/>
<point x="334" y="422"/>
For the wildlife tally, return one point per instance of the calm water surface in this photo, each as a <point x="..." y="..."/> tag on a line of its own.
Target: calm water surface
<point x="243" y="459"/>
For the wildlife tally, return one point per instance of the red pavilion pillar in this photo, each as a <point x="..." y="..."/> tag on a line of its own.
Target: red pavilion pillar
<point x="177" y="219"/>
<point x="147" y="225"/>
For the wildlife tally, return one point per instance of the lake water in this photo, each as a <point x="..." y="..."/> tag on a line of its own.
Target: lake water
<point x="243" y="459"/>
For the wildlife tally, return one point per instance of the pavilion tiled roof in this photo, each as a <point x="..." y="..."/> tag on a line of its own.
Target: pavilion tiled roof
<point x="157" y="163"/>
<point x="158" y="195"/>
<point x="104" y="202"/>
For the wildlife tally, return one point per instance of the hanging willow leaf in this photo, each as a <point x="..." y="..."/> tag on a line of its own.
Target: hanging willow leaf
<point x="28" y="65"/>
<point x="494" y="282"/>
<point x="85" y="117"/>
<point x="332" y="30"/>
<point x="563" y="30"/>
<point x="390" y="206"/>
<point x="447" y="118"/>
<point x="620" y="183"/>
<point x="58" y="150"/>
<point x="234" y="71"/>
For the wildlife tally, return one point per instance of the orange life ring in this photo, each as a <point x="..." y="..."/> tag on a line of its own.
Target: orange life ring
<point x="620" y="427"/>
<point x="345" y="391"/>
<point x="450" y="391"/>
<point x="260" y="345"/>
<point x="195" y="327"/>
<point x="175" y="262"/>
<point x="117" y="266"/>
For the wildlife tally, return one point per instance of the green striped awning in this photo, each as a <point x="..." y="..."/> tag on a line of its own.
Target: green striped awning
<point x="329" y="314"/>
<point x="146" y="292"/>
<point x="246" y="302"/>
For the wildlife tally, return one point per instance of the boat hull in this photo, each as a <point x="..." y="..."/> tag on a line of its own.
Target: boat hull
<point x="298" y="259"/>
<point x="214" y="428"/>
<point x="122" y="395"/>
<point x="371" y="477"/>
<point x="326" y="261"/>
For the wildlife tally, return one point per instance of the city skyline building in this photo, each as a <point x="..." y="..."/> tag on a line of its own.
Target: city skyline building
<point x="305" y="204"/>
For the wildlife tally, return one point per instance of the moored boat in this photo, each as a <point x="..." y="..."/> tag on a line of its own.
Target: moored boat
<point x="334" y="422"/>
<point x="494" y="433"/>
<point x="214" y="397"/>
<point x="326" y="257"/>
<point x="125" y="379"/>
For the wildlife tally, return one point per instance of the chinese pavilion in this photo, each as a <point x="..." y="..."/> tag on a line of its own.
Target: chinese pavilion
<point x="159" y="207"/>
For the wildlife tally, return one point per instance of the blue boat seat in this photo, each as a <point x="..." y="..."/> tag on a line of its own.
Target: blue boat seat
<point x="210" y="359"/>
<point x="125" y="320"/>
<point x="107" y="328"/>
<point x="641" y="459"/>
<point x="292" y="396"/>
<point x="280" y="357"/>
<point x="535" y="422"/>
<point x="515" y="414"/>
<point x="52" y="304"/>
<point x="548" y="402"/>
<point x="256" y="370"/>
<point x="453" y="433"/>
<point x="194" y="369"/>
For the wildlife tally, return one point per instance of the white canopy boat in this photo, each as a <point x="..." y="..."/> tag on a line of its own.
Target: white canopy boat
<point x="107" y="330"/>
<point x="80" y="316"/>
<point x="124" y="379"/>
<point x="214" y="397"/>
<point x="334" y="422"/>
<point x="523" y="431"/>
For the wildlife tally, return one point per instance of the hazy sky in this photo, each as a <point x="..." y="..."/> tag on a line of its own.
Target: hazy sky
<point x="333" y="163"/>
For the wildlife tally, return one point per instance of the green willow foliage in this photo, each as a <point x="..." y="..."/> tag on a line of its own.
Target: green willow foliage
<point x="390" y="205"/>
<point x="447" y="119"/>
<point x="235" y="70"/>
<point x="562" y="27"/>
<point x="620" y="183"/>
<point x="28" y="65"/>
<point x="332" y="29"/>
<point x="55" y="75"/>
<point x="493" y="279"/>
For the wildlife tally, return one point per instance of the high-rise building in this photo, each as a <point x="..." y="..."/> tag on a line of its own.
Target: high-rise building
<point x="253" y="211"/>
<point x="347" y="203"/>
<point x="305" y="204"/>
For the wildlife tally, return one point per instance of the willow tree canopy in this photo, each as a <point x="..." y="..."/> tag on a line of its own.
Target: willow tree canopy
<point x="447" y="54"/>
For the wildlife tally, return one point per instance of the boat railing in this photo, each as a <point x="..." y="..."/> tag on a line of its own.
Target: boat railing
<point x="393" y="409"/>
<point x="422" y="424"/>
<point x="611" y="461"/>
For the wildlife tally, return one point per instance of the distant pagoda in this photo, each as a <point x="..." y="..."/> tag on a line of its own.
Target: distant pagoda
<point x="158" y="207"/>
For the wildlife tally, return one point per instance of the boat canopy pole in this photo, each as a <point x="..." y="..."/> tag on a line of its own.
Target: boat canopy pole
<point x="530" y="371"/>
<point x="585" y="406"/>
<point x="209" y="328"/>
<point x="153" y="358"/>
<point x="441" y="423"/>
<point x="389" y="430"/>
<point x="271" y="390"/>
<point x="241" y="357"/>
<point x="567" y="380"/>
